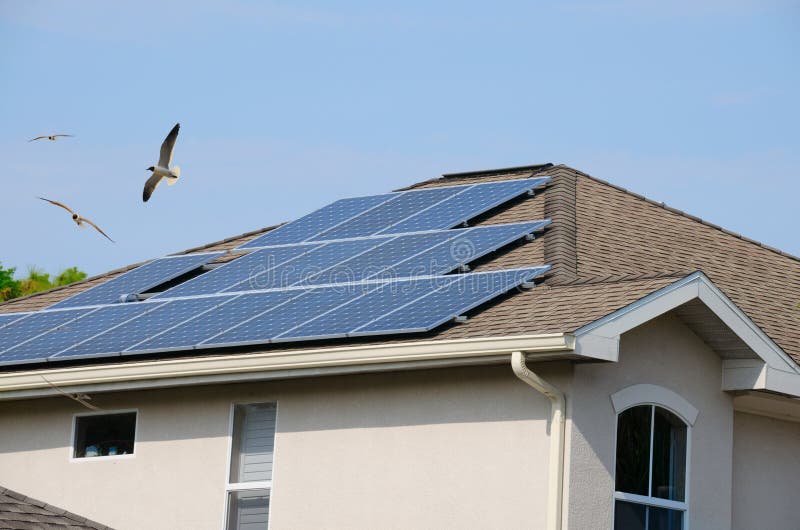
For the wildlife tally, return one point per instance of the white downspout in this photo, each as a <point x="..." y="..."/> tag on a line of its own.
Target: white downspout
<point x="557" y="412"/>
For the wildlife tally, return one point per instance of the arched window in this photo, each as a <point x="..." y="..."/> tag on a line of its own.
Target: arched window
<point x="651" y="462"/>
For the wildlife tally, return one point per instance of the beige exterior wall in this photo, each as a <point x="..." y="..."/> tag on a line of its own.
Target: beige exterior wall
<point x="445" y="448"/>
<point x="662" y="352"/>
<point x="766" y="473"/>
<point x="449" y="448"/>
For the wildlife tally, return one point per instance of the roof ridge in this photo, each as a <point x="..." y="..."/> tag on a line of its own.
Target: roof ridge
<point x="533" y="169"/>
<point x="229" y="239"/>
<point x="682" y="213"/>
<point x="61" y="512"/>
<point x="619" y="278"/>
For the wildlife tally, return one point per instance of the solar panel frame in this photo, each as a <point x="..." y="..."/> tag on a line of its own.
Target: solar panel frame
<point x="88" y="298"/>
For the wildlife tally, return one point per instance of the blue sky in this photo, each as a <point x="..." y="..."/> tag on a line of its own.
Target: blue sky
<point x="286" y="106"/>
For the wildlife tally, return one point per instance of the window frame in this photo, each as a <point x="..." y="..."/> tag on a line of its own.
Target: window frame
<point x="247" y="486"/>
<point x="654" y="396"/>
<point x="74" y="430"/>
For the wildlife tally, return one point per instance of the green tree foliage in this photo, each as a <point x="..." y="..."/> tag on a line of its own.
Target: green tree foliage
<point x="36" y="280"/>
<point x="9" y="287"/>
<point x="68" y="276"/>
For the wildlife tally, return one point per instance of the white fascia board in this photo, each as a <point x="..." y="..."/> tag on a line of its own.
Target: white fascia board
<point x="265" y="365"/>
<point x="773" y="370"/>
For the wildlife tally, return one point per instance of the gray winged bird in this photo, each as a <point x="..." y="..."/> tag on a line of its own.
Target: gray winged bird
<point x="51" y="137"/>
<point x="162" y="170"/>
<point x="77" y="218"/>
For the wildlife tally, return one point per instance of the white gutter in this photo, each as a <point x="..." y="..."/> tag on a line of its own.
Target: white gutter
<point x="254" y="366"/>
<point x="555" y="482"/>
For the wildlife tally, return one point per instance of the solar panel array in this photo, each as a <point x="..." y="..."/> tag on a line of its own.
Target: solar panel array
<point x="349" y="260"/>
<point x="365" y="266"/>
<point x="310" y="313"/>
<point x="400" y="212"/>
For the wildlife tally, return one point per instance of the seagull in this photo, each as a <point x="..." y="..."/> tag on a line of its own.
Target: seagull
<point x="51" y="137"/>
<point x="162" y="170"/>
<point x="77" y="218"/>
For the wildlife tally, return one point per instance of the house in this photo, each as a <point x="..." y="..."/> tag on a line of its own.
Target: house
<point x="648" y="378"/>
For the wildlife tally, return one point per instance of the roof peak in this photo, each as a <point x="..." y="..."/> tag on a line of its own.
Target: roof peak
<point x="498" y="171"/>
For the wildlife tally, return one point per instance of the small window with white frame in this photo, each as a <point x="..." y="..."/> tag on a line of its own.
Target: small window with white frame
<point x="651" y="469"/>
<point x="249" y="483"/>
<point x="104" y="434"/>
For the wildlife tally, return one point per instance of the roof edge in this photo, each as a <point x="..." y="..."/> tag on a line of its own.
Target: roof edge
<point x="271" y="365"/>
<point x="56" y="511"/>
<point x="601" y="338"/>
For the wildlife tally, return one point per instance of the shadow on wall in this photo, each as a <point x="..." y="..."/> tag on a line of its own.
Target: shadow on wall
<point x="365" y="401"/>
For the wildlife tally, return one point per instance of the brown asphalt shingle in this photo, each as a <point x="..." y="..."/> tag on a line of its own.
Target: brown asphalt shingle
<point x="608" y="248"/>
<point x="18" y="512"/>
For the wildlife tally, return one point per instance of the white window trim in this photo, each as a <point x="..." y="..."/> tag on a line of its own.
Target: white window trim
<point x="645" y="394"/>
<point x="71" y="444"/>
<point x="655" y="396"/>
<point x="245" y="486"/>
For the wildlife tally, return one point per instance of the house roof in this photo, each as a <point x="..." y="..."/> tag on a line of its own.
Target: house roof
<point x="608" y="247"/>
<point x="18" y="512"/>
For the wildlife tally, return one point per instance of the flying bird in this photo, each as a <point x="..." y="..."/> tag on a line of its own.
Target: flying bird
<point x="77" y="218"/>
<point x="162" y="170"/>
<point x="51" y="137"/>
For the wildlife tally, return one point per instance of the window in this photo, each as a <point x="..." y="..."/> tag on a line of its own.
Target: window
<point x="105" y="434"/>
<point x="651" y="470"/>
<point x="249" y="481"/>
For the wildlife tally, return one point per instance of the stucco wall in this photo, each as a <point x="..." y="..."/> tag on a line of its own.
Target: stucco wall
<point x="455" y="448"/>
<point x="662" y="352"/>
<point x="766" y="473"/>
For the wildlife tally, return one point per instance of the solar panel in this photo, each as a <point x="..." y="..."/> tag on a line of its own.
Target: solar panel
<point x="307" y="265"/>
<point x="240" y="269"/>
<point x="399" y="212"/>
<point x="138" y="280"/>
<point x="464" y="247"/>
<point x="231" y="313"/>
<point x="350" y="260"/>
<point x="35" y="324"/>
<point x="362" y="309"/>
<point x="378" y="259"/>
<point x="73" y="332"/>
<point x="453" y="299"/>
<point x="310" y="225"/>
<point x="160" y="318"/>
<point x="389" y="213"/>
<point x="464" y="206"/>
<point x="270" y="324"/>
<point x="8" y="318"/>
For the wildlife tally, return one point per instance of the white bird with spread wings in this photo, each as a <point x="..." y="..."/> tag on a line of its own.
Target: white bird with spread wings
<point x="77" y="218"/>
<point x="162" y="170"/>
